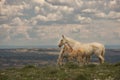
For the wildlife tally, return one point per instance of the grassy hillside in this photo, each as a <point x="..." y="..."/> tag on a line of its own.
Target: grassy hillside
<point x="69" y="71"/>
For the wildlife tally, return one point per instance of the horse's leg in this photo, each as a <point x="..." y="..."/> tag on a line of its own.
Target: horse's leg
<point x="60" y="58"/>
<point x="84" y="59"/>
<point x="102" y="54"/>
<point x="101" y="59"/>
<point x="88" y="59"/>
<point x="70" y="58"/>
<point x="98" y="53"/>
<point x="80" y="60"/>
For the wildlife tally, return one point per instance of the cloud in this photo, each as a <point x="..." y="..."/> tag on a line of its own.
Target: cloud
<point x="8" y="32"/>
<point x="13" y="10"/>
<point x="65" y="9"/>
<point x="113" y="4"/>
<point x="90" y="10"/>
<point x="39" y="1"/>
<point x="37" y="9"/>
<point x="101" y="15"/>
<point x="72" y="3"/>
<point x="43" y="21"/>
<point x="2" y="1"/>
<point x="83" y="19"/>
<point x="49" y="17"/>
<point x="114" y="15"/>
<point x="83" y="33"/>
<point x="54" y="16"/>
<point x="17" y="21"/>
<point x="4" y="32"/>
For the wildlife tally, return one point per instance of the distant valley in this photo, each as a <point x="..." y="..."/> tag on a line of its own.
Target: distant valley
<point x="43" y="56"/>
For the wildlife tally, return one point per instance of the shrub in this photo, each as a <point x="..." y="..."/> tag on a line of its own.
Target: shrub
<point x="29" y="66"/>
<point x="71" y="65"/>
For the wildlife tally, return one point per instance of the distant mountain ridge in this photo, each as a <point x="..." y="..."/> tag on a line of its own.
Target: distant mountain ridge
<point x="49" y="46"/>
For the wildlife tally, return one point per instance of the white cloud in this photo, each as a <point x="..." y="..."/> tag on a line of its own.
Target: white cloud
<point x="90" y="10"/>
<point x="39" y="1"/>
<point x="83" y="33"/>
<point x="49" y="17"/>
<point x="101" y="15"/>
<point x="37" y="9"/>
<point x="72" y="3"/>
<point x="17" y="21"/>
<point x="5" y="28"/>
<point x="114" y="15"/>
<point x="112" y="3"/>
<point x="118" y="20"/>
<point x="12" y="10"/>
<point x="2" y="1"/>
<point x="12" y="32"/>
<point x="65" y="9"/>
<point x="83" y="19"/>
<point x="24" y="19"/>
<point x="79" y="2"/>
<point x="54" y="32"/>
<point x="4" y="32"/>
<point x="40" y="17"/>
<point x="54" y="16"/>
<point x="20" y="31"/>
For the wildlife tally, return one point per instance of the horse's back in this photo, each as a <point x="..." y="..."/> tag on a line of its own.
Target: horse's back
<point x="97" y="45"/>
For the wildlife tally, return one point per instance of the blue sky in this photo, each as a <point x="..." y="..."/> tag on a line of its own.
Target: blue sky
<point x="42" y="22"/>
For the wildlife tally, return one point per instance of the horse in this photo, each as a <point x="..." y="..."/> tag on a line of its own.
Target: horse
<point x="64" y="54"/>
<point x="88" y="48"/>
<point x="69" y="54"/>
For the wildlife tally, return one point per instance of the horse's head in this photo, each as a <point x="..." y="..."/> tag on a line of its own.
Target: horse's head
<point x="62" y="41"/>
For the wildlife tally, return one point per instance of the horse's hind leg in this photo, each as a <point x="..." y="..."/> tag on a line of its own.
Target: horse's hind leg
<point x="87" y="59"/>
<point x="101" y="59"/>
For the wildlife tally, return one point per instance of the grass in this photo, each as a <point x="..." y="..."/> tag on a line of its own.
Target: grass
<point x="69" y="71"/>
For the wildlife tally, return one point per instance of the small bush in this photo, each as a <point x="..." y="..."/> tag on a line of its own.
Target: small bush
<point x="82" y="77"/>
<point x="29" y="66"/>
<point x="117" y="64"/>
<point x="71" y="65"/>
<point x="3" y="77"/>
<point x="91" y="65"/>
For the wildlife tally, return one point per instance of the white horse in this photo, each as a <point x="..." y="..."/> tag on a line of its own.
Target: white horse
<point x="64" y="54"/>
<point x="89" y="48"/>
<point x="69" y="54"/>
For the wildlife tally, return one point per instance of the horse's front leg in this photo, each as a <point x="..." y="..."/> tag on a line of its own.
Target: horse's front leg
<point x="80" y="60"/>
<point x="70" y="58"/>
<point x="60" y="61"/>
<point x="60" y="57"/>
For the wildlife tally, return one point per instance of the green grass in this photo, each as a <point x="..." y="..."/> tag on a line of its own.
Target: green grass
<point x="69" y="71"/>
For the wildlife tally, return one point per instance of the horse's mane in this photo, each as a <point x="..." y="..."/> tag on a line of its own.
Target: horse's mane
<point x="72" y="40"/>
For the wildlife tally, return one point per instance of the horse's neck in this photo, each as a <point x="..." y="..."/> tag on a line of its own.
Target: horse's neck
<point x="69" y="46"/>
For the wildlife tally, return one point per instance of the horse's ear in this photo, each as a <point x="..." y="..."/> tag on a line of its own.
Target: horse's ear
<point x="63" y="36"/>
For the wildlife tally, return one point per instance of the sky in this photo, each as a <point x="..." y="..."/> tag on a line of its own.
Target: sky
<point x="42" y="22"/>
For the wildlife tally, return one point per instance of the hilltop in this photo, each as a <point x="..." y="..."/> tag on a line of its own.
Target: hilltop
<point x="69" y="71"/>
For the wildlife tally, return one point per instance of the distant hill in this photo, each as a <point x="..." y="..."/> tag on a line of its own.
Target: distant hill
<point x="48" y="46"/>
<point x="43" y="56"/>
